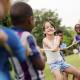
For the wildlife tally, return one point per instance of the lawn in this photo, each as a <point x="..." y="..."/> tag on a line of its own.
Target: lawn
<point x="72" y="59"/>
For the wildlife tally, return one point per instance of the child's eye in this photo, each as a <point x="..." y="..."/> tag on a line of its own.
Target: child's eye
<point x="47" y="27"/>
<point x="51" y="26"/>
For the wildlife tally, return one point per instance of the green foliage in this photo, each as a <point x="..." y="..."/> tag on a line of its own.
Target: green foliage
<point x="68" y="35"/>
<point x="72" y="59"/>
<point x="6" y="21"/>
<point x="40" y="17"/>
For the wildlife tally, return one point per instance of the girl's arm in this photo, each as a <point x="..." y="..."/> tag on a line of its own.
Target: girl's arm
<point x="56" y="42"/>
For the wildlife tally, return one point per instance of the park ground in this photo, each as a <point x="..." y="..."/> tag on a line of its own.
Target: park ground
<point x="72" y="59"/>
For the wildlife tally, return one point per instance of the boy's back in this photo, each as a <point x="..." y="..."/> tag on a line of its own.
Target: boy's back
<point x="23" y="23"/>
<point x="29" y="43"/>
<point x="18" y="52"/>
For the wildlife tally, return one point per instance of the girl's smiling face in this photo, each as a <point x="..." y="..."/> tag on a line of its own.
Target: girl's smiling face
<point x="48" y="28"/>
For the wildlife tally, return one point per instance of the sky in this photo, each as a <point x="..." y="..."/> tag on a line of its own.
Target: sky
<point x="68" y="10"/>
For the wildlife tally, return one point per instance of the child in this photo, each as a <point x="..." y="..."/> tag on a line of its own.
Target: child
<point x="23" y="23"/>
<point x="8" y="36"/>
<point x="62" y="45"/>
<point x="18" y="52"/>
<point x="54" y="59"/>
<point x="77" y="36"/>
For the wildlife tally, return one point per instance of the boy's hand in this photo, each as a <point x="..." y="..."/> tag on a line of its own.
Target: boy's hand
<point x="42" y="50"/>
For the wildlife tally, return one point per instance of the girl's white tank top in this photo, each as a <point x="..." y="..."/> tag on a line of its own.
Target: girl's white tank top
<point x="52" y="56"/>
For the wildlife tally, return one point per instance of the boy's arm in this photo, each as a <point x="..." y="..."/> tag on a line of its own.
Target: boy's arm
<point x="3" y="37"/>
<point x="35" y="56"/>
<point x="15" y="45"/>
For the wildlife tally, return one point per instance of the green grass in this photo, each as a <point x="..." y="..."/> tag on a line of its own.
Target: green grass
<point x="72" y="59"/>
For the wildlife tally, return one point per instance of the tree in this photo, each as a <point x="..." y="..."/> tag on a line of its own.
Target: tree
<point x="40" y="17"/>
<point x="68" y="34"/>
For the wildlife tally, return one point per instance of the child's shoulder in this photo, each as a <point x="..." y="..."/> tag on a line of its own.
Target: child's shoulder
<point x="26" y="33"/>
<point x="44" y="39"/>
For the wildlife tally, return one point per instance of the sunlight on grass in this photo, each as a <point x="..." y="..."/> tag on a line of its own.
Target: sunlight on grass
<point x="72" y="59"/>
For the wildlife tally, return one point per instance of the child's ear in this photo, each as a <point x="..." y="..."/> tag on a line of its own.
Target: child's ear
<point x="28" y="20"/>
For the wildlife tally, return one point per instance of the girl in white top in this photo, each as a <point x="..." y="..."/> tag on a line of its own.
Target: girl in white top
<point x="54" y="59"/>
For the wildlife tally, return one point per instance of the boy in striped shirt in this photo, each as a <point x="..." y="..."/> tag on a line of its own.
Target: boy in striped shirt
<point x="23" y="23"/>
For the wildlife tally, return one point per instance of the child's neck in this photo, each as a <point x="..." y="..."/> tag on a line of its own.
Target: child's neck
<point x="50" y="37"/>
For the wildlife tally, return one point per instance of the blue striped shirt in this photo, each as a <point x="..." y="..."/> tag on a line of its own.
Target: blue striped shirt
<point x="29" y="42"/>
<point x="18" y="50"/>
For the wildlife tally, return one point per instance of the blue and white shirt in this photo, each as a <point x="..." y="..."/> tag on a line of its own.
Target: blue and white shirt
<point x="77" y="39"/>
<point x="29" y="43"/>
<point x="17" y="49"/>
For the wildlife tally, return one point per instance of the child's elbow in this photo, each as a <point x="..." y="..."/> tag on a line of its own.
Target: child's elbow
<point x="3" y="37"/>
<point x="43" y="65"/>
<point x="40" y="65"/>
